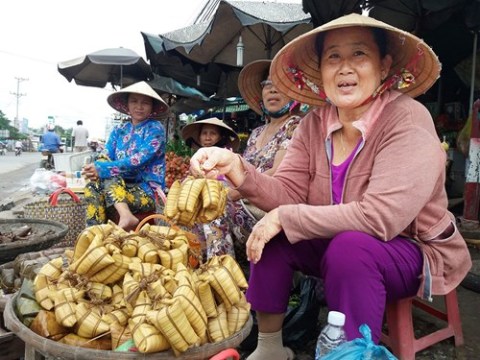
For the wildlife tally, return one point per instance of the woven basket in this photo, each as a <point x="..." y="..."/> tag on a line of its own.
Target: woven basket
<point x="69" y="211"/>
<point x="54" y="349"/>
<point x="10" y="251"/>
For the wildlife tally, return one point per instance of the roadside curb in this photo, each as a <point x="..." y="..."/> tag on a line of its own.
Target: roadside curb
<point x="12" y="205"/>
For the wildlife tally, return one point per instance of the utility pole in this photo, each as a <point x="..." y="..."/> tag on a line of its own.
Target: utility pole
<point x="18" y="95"/>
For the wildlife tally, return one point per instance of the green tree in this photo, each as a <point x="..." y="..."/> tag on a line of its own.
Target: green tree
<point x="5" y="124"/>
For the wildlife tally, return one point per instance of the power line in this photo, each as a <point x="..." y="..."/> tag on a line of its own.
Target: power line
<point x="28" y="57"/>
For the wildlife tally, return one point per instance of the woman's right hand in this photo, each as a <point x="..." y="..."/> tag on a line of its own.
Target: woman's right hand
<point x="212" y="161"/>
<point x="90" y="172"/>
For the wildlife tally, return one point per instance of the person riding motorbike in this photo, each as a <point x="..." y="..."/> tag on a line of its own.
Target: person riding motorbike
<point x="18" y="148"/>
<point x="50" y="144"/>
<point x="3" y="148"/>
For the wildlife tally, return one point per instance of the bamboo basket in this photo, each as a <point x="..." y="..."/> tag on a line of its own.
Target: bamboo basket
<point x="57" y="350"/>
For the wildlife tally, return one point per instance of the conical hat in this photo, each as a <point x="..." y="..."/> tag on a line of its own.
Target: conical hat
<point x="249" y="81"/>
<point x="119" y="99"/>
<point x="192" y="131"/>
<point x="295" y="69"/>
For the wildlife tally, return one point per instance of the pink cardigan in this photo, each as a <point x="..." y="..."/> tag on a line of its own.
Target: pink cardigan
<point x="395" y="185"/>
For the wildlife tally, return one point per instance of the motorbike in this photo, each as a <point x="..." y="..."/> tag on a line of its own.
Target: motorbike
<point x="18" y="151"/>
<point x="3" y="151"/>
<point x="47" y="161"/>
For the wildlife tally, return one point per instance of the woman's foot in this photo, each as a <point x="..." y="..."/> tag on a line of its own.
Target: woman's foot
<point x="128" y="222"/>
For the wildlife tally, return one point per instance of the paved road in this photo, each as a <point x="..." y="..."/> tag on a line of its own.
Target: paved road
<point x="10" y="162"/>
<point x="15" y="174"/>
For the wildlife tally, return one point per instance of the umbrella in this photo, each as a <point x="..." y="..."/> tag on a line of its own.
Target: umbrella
<point x="166" y="85"/>
<point x="118" y="66"/>
<point x="236" y="33"/>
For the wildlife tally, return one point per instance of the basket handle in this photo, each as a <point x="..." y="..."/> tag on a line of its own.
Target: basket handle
<point x="156" y="216"/>
<point x="53" y="199"/>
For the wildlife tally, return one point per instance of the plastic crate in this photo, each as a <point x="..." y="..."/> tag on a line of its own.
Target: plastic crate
<point x="70" y="162"/>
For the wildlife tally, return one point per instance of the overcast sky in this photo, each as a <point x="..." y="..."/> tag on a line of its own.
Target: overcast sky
<point x="36" y="35"/>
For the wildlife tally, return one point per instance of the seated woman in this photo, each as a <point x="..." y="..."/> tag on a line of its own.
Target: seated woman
<point x="266" y="145"/>
<point x="215" y="237"/>
<point x="127" y="173"/>
<point x="359" y="199"/>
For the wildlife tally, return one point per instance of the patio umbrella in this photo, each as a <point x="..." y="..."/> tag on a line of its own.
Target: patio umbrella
<point x="236" y="33"/>
<point x="117" y="66"/>
<point x="166" y="85"/>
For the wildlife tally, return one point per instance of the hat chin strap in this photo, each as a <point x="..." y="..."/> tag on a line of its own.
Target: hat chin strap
<point x="277" y="114"/>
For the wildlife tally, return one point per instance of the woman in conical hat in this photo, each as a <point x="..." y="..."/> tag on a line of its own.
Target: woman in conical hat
<point x="131" y="168"/>
<point x="359" y="199"/>
<point x="210" y="132"/>
<point x="215" y="237"/>
<point x="266" y="145"/>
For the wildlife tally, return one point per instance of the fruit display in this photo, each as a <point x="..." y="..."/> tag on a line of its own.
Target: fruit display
<point x="177" y="167"/>
<point x="138" y="290"/>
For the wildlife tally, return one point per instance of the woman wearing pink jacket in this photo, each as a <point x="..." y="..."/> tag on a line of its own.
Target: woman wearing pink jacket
<point x="359" y="199"/>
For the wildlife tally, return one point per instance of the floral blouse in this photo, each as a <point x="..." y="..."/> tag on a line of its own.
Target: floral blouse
<point x="136" y="153"/>
<point x="263" y="159"/>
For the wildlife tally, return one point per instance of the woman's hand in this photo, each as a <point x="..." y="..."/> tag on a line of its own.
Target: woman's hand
<point x="212" y="161"/>
<point x="234" y="195"/>
<point x="90" y="172"/>
<point x="262" y="232"/>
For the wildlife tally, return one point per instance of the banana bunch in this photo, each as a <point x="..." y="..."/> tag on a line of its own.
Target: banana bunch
<point x="195" y="200"/>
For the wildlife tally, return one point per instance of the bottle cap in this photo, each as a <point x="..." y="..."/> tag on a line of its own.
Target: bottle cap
<point x="336" y="318"/>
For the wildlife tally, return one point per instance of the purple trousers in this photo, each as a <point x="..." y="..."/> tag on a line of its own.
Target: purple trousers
<point x="360" y="273"/>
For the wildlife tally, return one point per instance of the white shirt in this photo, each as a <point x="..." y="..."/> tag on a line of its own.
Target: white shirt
<point x="80" y="134"/>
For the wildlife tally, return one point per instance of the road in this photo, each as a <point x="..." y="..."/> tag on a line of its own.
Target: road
<point x="15" y="173"/>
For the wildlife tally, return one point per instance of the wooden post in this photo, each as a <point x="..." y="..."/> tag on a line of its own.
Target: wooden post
<point x="472" y="182"/>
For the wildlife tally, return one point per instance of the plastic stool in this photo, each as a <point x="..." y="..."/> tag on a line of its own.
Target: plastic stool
<point x="227" y="354"/>
<point x="401" y="338"/>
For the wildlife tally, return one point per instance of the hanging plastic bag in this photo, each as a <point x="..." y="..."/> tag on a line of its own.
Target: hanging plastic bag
<point x="360" y="349"/>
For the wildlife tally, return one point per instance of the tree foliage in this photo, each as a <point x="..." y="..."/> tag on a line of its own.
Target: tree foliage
<point x="5" y="124"/>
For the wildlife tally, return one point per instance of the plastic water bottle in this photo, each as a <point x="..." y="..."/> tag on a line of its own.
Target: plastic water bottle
<point x="332" y="335"/>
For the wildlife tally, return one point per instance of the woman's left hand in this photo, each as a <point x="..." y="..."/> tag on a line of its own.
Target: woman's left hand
<point x="262" y="232"/>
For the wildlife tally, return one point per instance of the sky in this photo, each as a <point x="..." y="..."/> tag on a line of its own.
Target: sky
<point x="37" y="35"/>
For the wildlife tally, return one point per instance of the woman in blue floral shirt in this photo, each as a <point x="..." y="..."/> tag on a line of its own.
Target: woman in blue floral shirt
<point x="132" y="165"/>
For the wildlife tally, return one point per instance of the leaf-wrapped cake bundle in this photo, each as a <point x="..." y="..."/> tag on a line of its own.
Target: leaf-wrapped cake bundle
<point x="147" y="251"/>
<point x="174" y="325"/>
<point x="94" y="259"/>
<point x="89" y="323"/>
<point x="147" y="338"/>
<point x="193" y="309"/>
<point x="85" y="238"/>
<point x="238" y="315"/>
<point x="218" y="326"/>
<point x="171" y="258"/>
<point x="113" y="272"/>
